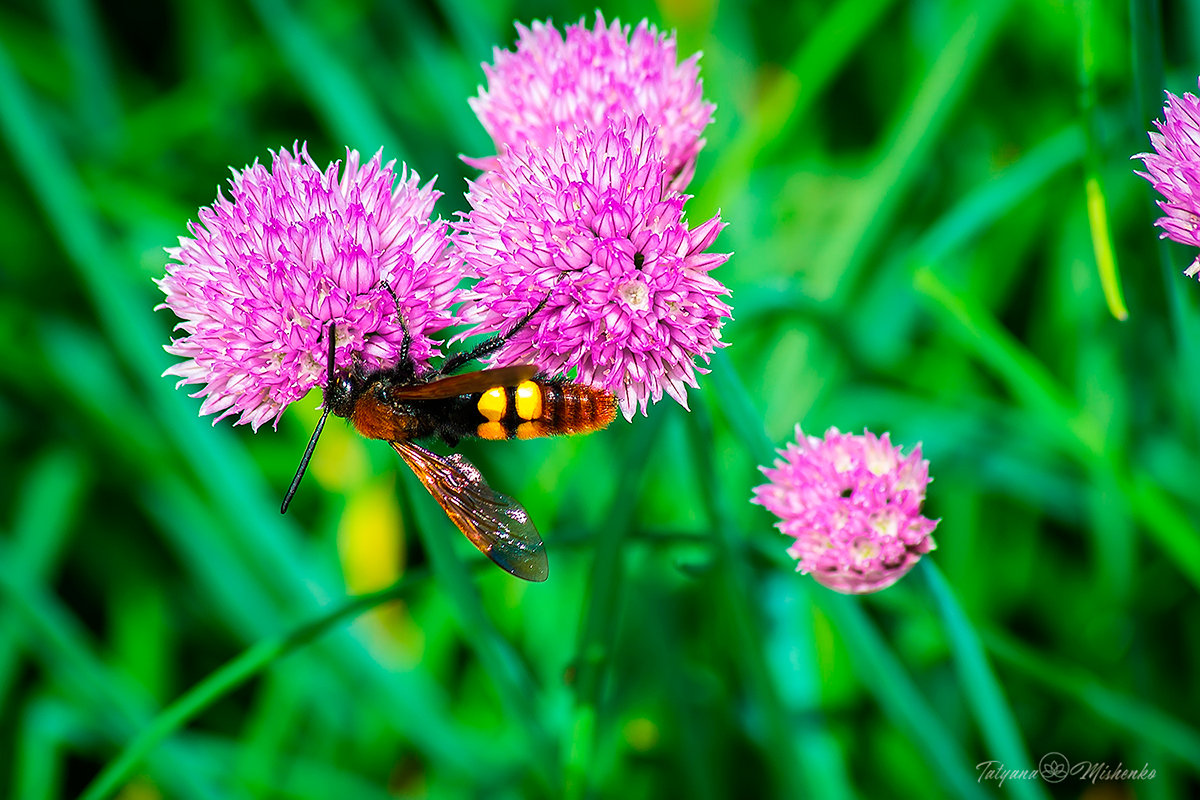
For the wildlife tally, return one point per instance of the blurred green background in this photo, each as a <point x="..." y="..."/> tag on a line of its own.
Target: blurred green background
<point x="922" y="198"/>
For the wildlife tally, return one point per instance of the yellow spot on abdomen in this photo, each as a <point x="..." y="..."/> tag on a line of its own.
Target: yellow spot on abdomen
<point x="529" y="400"/>
<point x="491" y="430"/>
<point x="492" y="404"/>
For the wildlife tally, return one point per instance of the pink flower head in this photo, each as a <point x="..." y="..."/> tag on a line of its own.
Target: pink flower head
<point x="588" y="77"/>
<point x="1174" y="171"/>
<point x="292" y="249"/>
<point x="853" y="506"/>
<point x="587" y="226"/>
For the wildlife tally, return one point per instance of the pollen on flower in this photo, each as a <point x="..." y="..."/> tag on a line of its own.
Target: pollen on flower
<point x="595" y="238"/>
<point x="852" y="506"/>
<point x="636" y="295"/>
<point x="864" y="550"/>
<point x="291" y="249"/>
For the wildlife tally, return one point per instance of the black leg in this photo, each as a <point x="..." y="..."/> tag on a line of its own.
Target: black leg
<point x="490" y="344"/>
<point x="404" y="372"/>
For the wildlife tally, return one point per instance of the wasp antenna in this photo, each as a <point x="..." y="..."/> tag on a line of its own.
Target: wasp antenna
<point x="312" y="442"/>
<point x="308" y="451"/>
<point x="332" y="353"/>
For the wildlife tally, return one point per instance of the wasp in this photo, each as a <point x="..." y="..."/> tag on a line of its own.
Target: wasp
<point x="400" y="406"/>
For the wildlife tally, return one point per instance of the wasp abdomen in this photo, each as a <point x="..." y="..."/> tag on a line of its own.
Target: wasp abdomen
<point x="537" y="407"/>
<point x="576" y="408"/>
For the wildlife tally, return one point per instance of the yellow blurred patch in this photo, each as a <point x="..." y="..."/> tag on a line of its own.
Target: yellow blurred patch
<point x="370" y="542"/>
<point x="340" y="462"/>
<point x="140" y="788"/>
<point x="641" y="734"/>
<point x="371" y="537"/>
<point x="684" y="13"/>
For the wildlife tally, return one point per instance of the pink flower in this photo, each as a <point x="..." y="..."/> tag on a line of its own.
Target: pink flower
<point x="587" y="227"/>
<point x="290" y="250"/>
<point x="589" y="77"/>
<point x="852" y="505"/>
<point x="1174" y="171"/>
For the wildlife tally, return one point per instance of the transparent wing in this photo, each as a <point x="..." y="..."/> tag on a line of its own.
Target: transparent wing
<point x="495" y="523"/>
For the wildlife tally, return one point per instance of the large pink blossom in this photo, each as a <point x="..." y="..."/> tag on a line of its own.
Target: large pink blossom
<point x="291" y="249"/>
<point x="587" y="227"/>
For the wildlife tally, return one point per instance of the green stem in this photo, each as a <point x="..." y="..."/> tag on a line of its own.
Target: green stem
<point x="224" y="680"/>
<point x="992" y="712"/>
<point x="880" y="671"/>
<point x="883" y="674"/>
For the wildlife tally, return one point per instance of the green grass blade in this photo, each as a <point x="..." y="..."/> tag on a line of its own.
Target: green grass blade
<point x="984" y="206"/>
<point x="903" y="155"/>
<point x="992" y="712"/>
<point x="63" y="648"/>
<point x="1102" y="244"/>
<point x="1130" y="714"/>
<point x="41" y="525"/>
<point x="335" y="91"/>
<point x="885" y="677"/>
<point x="796" y="753"/>
<point x="224" y="680"/>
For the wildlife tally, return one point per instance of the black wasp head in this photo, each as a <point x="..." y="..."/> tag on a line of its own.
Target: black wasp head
<point x="340" y="395"/>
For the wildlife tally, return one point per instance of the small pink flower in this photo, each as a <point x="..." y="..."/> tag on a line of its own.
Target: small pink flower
<point x="852" y="505"/>
<point x="1174" y="171"/>
<point x="587" y="226"/>
<point x="585" y="79"/>
<point x="292" y="249"/>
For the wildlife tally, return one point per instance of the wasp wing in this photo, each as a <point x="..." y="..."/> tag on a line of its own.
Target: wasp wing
<point x="495" y="523"/>
<point x="467" y="383"/>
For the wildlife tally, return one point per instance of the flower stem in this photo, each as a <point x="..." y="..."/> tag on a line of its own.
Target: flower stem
<point x="984" y="694"/>
<point x="227" y="678"/>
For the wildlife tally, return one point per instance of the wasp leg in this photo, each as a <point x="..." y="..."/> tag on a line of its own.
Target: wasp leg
<point x="489" y="345"/>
